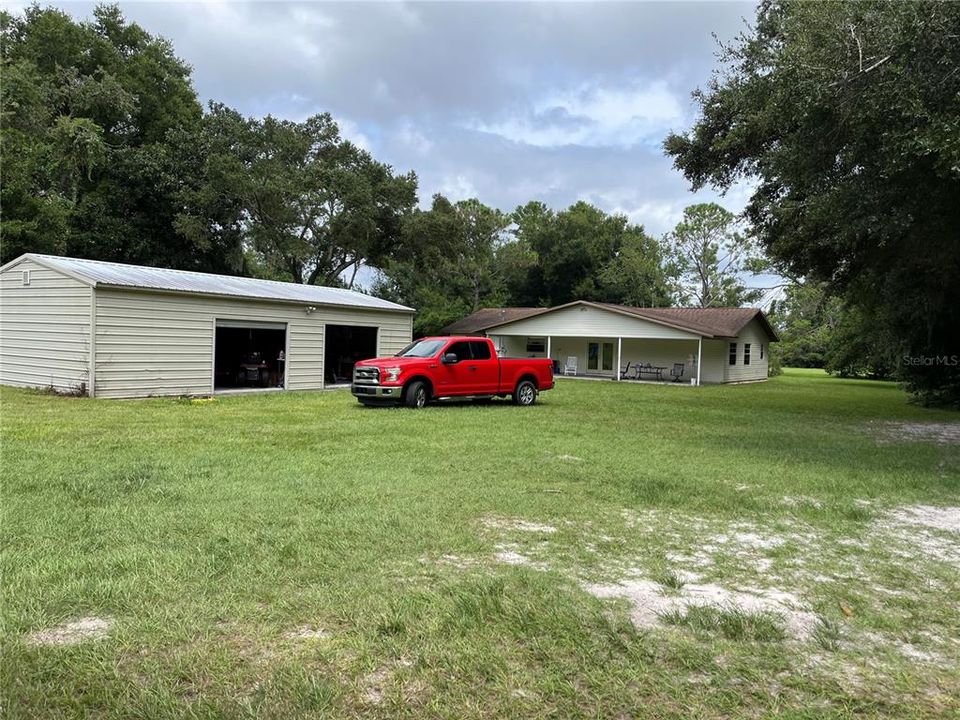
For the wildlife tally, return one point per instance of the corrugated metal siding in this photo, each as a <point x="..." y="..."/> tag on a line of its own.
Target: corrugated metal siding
<point x="754" y="334"/>
<point x="44" y="328"/>
<point x="162" y="344"/>
<point x="585" y="321"/>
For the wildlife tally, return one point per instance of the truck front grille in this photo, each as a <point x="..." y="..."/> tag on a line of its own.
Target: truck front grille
<point x="366" y="376"/>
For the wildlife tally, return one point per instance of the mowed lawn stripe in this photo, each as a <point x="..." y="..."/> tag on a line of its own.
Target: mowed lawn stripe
<point x="295" y="554"/>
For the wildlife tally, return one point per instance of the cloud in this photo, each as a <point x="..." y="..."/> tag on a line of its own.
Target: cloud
<point x="506" y="102"/>
<point x="594" y="115"/>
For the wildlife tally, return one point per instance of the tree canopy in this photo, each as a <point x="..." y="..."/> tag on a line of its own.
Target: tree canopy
<point x="847" y="115"/>
<point x="87" y="107"/>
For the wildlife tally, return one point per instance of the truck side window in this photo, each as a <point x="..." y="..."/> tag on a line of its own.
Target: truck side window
<point x="461" y="350"/>
<point x="480" y="350"/>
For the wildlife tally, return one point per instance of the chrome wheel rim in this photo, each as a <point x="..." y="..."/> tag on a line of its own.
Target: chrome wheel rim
<point x="421" y="397"/>
<point x="526" y="394"/>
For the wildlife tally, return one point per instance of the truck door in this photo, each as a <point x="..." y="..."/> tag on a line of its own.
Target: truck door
<point x="484" y="369"/>
<point x="456" y="378"/>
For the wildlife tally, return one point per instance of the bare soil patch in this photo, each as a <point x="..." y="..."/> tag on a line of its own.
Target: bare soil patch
<point x="306" y="632"/>
<point x="517" y="524"/>
<point x="376" y="684"/>
<point x="938" y="518"/>
<point x="73" y="632"/>
<point x="650" y="600"/>
<point x="941" y="433"/>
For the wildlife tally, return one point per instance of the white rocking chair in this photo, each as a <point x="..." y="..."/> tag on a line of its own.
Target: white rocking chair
<point x="571" y="367"/>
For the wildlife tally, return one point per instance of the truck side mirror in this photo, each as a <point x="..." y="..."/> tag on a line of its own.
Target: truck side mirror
<point x="449" y="359"/>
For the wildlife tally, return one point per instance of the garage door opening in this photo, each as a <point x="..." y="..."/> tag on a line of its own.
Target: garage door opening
<point x="344" y="345"/>
<point x="250" y="355"/>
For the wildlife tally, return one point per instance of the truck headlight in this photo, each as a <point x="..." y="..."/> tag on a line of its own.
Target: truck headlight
<point x="392" y="374"/>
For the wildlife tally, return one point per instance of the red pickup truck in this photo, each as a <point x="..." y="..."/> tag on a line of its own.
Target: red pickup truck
<point x="444" y="367"/>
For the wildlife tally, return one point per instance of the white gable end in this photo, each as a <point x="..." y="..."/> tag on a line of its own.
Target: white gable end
<point x="586" y="321"/>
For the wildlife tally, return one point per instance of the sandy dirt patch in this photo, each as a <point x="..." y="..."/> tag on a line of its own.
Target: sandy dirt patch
<point x="517" y="524"/>
<point x="649" y="600"/>
<point x="73" y="632"/>
<point x="306" y="632"/>
<point x="941" y="433"/>
<point x="375" y="684"/>
<point x="938" y="518"/>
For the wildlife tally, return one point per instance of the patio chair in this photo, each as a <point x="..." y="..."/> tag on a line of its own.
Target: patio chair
<point x="624" y="371"/>
<point x="677" y="372"/>
<point x="571" y="367"/>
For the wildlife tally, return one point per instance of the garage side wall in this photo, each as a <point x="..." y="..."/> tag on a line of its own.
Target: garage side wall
<point x="44" y="329"/>
<point x="151" y="343"/>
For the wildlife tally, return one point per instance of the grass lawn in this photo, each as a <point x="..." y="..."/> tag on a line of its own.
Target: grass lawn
<point x="782" y="549"/>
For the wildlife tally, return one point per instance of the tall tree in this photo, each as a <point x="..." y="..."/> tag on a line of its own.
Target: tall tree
<point x="709" y="257"/>
<point x="584" y="254"/>
<point x="848" y="115"/>
<point x="86" y="111"/>
<point x="450" y="271"/>
<point x="310" y="205"/>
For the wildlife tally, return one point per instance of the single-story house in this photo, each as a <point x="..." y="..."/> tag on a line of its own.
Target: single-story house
<point x="592" y="339"/>
<point x="114" y="330"/>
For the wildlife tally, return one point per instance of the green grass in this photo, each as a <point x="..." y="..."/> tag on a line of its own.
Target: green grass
<point x="212" y="533"/>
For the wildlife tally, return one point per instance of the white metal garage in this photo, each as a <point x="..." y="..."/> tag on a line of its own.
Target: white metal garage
<point x="115" y="330"/>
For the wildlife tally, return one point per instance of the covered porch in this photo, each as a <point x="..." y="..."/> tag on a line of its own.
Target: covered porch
<point x="625" y="359"/>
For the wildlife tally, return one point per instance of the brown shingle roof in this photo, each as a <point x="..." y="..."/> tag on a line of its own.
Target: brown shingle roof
<point x="488" y="317"/>
<point x="710" y="322"/>
<point x="719" y="322"/>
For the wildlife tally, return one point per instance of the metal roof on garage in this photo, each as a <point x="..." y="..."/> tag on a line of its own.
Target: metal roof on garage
<point x="109" y="274"/>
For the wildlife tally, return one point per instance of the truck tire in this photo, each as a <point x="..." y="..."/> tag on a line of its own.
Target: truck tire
<point x="525" y="393"/>
<point x="416" y="395"/>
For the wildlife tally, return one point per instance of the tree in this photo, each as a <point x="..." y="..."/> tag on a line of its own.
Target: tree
<point x="708" y="258"/>
<point x="847" y="115"/>
<point x="309" y="205"/>
<point x="582" y="253"/>
<point x="86" y="112"/>
<point x="450" y="269"/>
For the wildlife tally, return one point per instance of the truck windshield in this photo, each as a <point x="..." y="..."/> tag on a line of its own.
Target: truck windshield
<point x="422" y="348"/>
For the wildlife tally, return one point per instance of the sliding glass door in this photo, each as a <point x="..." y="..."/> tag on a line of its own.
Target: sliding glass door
<point x="600" y="356"/>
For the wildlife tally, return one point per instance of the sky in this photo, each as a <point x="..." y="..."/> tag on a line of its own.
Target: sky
<point x="505" y="102"/>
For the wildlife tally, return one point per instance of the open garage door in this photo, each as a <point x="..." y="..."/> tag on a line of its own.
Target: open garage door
<point x="343" y="346"/>
<point x="249" y="355"/>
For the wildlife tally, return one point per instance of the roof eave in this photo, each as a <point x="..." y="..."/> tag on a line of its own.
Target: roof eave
<point x="40" y="260"/>
<point x="250" y="298"/>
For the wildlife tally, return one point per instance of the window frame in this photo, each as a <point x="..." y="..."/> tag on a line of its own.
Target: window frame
<point x="476" y="345"/>
<point x="460" y="358"/>
<point x="533" y="343"/>
<point x="746" y="353"/>
<point x="732" y="354"/>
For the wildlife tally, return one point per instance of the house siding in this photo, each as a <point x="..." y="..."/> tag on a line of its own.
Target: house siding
<point x="586" y="321"/>
<point x="44" y="329"/>
<point x="568" y="338"/>
<point x="758" y="369"/>
<point x="154" y="343"/>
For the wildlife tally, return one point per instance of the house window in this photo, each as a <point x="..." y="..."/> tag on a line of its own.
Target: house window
<point x="733" y="353"/>
<point x="761" y="351"/>
<point x="746" y="353"/>
<point x="25" y="276"/>
<point x="536" y="345"/>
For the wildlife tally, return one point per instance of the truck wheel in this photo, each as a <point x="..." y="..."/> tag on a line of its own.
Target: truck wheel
<point x="525" y="393"/>
<point x="416" y="395"/>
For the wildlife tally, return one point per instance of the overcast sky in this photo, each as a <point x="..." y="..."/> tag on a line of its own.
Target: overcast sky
<point x="503" y="102"/>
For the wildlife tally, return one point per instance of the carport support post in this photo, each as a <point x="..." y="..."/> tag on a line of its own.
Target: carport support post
<point x="548" y="347"/>
<point x="699" y="354"/>
<point x="619" y="354"/>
